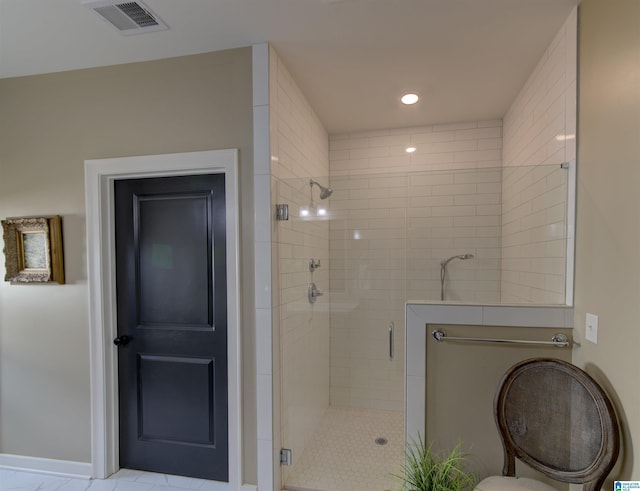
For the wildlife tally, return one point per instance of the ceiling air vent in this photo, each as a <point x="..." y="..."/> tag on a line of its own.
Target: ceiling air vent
<point x="127" y="17"/>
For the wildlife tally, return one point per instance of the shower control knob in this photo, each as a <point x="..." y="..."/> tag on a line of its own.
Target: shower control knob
<point x="314" y="293"/>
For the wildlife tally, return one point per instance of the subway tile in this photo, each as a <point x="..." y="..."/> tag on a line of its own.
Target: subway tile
<point x="556" y="158"/>
<point x="494" y="188"/>
<point x="368" y="193"/>
<point x="455" y="126"/>
<point x="482" y="242"/>
<point x="366" y="213"/>
<point x="490" y="123"/>
<point x="453" y="211"/>
<point x="454" y="189"/>
<point x="477" y="199"/>
<point x="431" y="222"/>
<point x="398" y="151"/>
<point x="549" y="265"/>
<point x="488" y="253"/>
<point x="432" y="137"/>
<point x="348" y="144"/>
<point x="346" y="182"/>
<point x="478" y="155"/>
<point x="429" y="201"/>
<point x="339" y="136"/>
<point x="478" y="133"/>
<point x="431" y="179"/>
<point x="387" y="223"/>
<point x="387" y="203"/>
<point x="476" y="221"/>
<point x="401" y="140"/>
<point x="397" y="192"/>
<point x="338" y="155"/>
<point x="419" y="160"/>
<point x="547" y="297"/>
<point x="350" y="204"/>
<point x="556" y="248"/>
<point x="384" y="162"/>
<point x="446" y="147"/>
<point x="419" y="191"/>
<point x="368" y="153"/>
<point x="348" y="165"/>
<point x="391" y="181"/>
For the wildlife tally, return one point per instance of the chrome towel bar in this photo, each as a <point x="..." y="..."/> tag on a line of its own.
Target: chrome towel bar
<point x="559" y="340"/>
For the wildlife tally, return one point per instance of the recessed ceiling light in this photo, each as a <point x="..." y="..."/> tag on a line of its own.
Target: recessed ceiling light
<point x="409" y="99"/>
<point x="410" y="149"/>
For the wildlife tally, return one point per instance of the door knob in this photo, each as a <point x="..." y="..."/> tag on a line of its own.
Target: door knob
<point x="121" y="340"/>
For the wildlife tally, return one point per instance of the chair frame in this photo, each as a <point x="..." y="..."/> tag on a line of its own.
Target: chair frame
<point x="594" y="475"/>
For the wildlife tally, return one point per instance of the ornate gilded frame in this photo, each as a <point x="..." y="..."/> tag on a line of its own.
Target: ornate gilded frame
<point x="33" y="249"/>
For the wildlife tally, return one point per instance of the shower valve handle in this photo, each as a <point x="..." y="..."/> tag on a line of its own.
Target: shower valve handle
<point x="313" y="264"/>
<point x="314" y="293"/>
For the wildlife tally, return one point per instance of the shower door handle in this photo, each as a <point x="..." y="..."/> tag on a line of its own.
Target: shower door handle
<point x="391" y="333"/>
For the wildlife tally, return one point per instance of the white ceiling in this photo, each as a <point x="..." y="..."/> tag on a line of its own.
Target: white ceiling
<point x="352" y="58"/>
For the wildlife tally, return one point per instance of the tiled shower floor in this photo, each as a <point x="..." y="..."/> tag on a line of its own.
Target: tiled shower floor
<point x="343" y="454"/>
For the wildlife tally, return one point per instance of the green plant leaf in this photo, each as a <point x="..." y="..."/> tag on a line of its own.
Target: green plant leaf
<point x="426" y="469"/>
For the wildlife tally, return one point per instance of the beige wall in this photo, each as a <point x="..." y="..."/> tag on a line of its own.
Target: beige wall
<point x="608" y="219"/>
<point x="461" y="384"/>
<point x="49" y="125"/>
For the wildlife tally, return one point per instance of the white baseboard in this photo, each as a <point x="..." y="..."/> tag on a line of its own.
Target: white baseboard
<point x="63" y="468"/>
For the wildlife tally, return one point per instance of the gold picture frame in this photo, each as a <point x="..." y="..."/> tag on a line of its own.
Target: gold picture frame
<point x="33" y="249"/>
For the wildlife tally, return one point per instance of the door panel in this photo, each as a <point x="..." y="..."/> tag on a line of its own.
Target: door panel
<point x="174" y="385"/>
<point x="175" y="261"/>
<point x="171" y="294"/>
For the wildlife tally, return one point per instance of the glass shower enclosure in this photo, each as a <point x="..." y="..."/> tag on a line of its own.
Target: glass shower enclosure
<point x="348" y="263"/>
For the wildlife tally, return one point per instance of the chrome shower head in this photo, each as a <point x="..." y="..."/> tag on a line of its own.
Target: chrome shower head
<point x="444" y="262"/>
<point x="324" y="192"/>
<point x="443" y="270"/>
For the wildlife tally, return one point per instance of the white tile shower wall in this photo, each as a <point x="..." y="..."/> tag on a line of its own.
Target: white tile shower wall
<point x="394" y="216"/>
<point x="299" y="152"/>
<point x="438" y="147"/>
<point x="539" y="135"/>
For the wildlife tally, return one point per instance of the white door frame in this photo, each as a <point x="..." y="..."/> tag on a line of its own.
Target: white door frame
<point x="99" y="178"/>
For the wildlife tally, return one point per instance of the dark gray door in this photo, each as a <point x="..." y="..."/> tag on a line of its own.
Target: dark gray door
<point x="172" y="325"/>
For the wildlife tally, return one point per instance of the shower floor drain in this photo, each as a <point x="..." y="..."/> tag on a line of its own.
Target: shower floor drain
<point x="381" y="441"/>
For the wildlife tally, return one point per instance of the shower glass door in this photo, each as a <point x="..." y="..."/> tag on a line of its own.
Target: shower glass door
<point x="375" y="243"/>
<point x="302" y="319"/>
